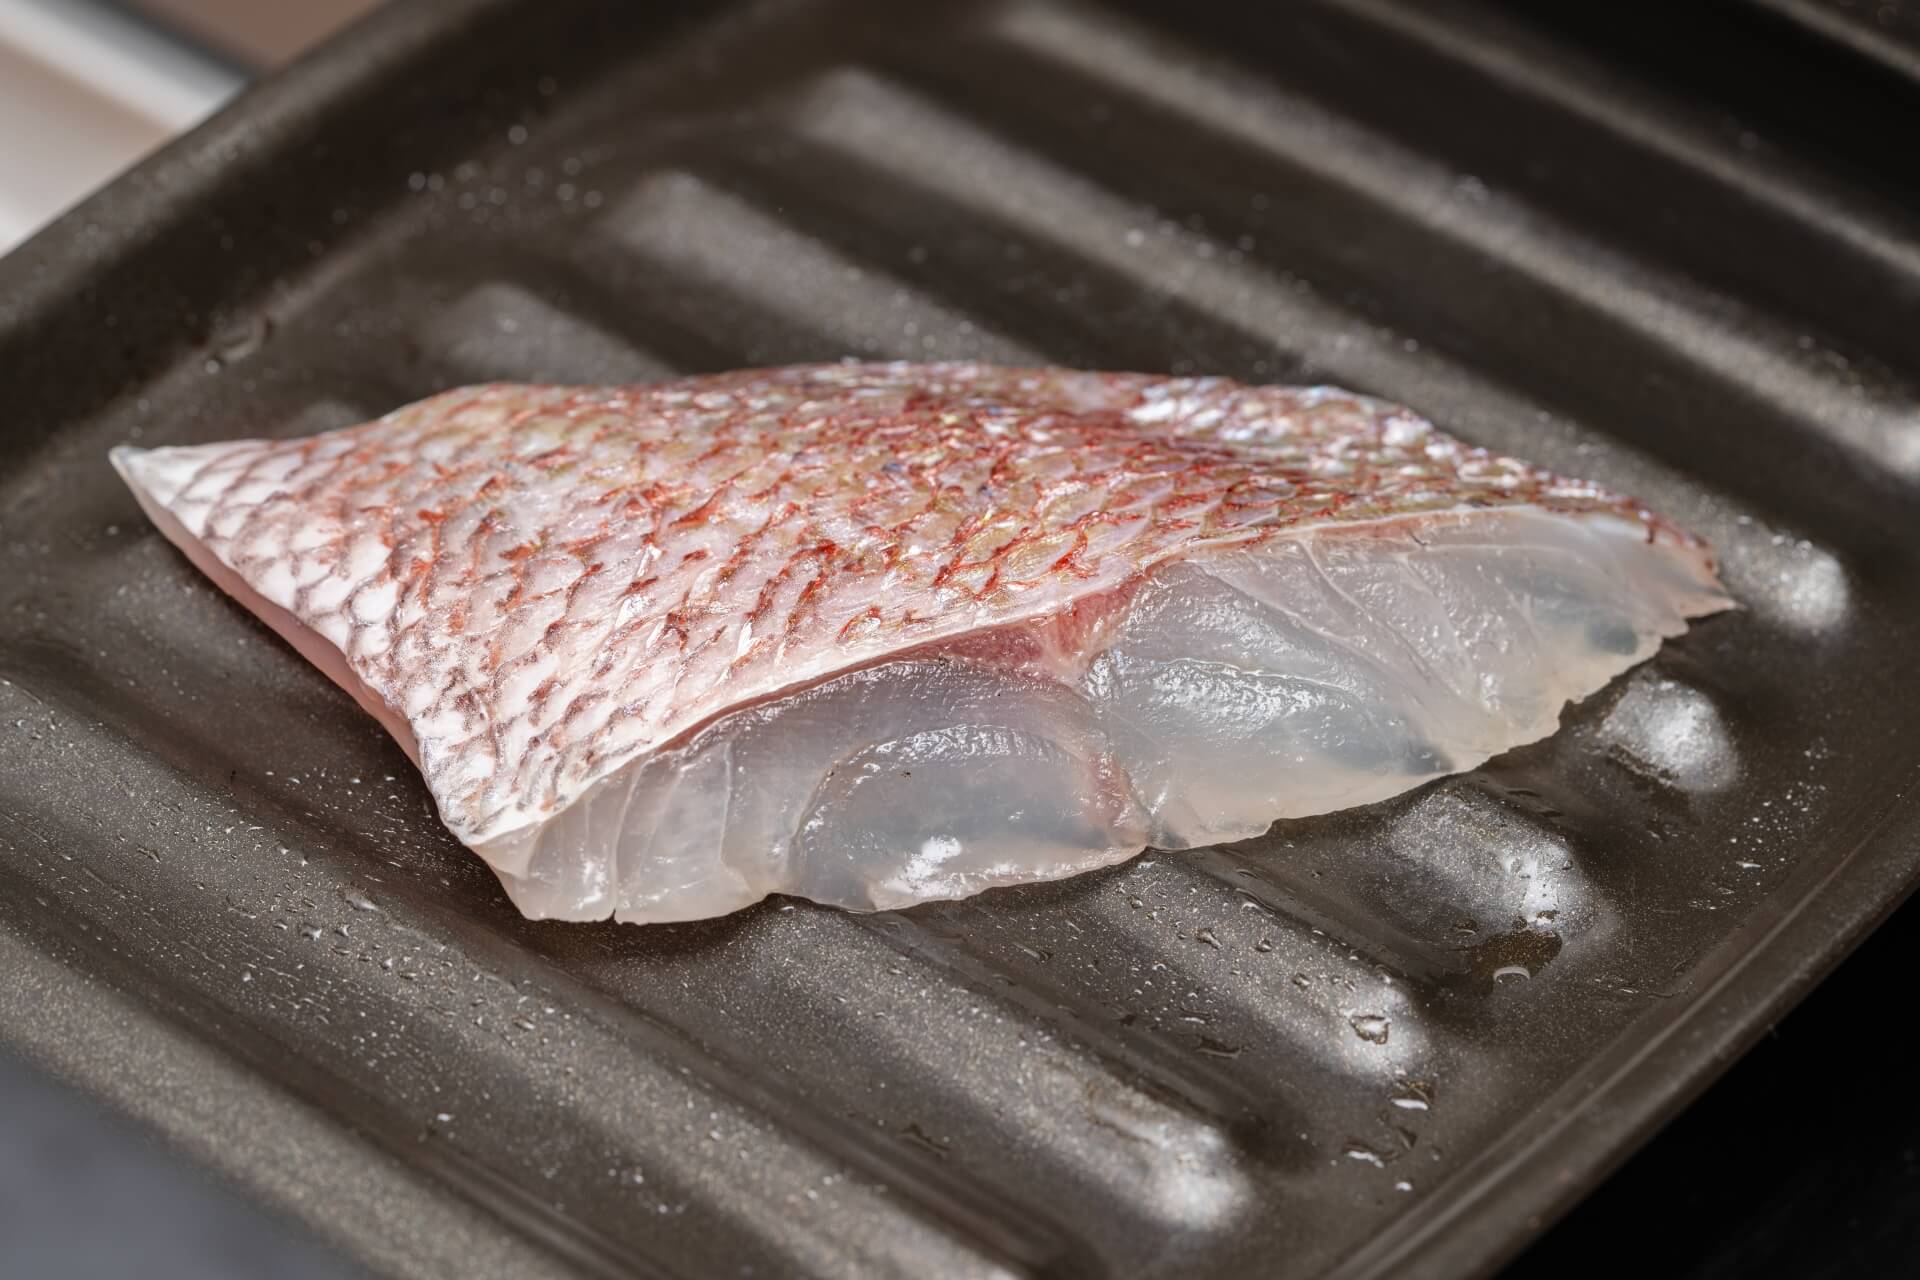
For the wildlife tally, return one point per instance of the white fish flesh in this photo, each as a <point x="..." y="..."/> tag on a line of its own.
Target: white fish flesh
<point x="874" y="634"/>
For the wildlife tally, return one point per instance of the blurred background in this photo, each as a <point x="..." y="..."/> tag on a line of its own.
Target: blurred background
<point x="121" y="77"/>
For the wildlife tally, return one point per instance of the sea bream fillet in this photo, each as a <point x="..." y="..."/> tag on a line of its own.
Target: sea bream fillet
<point x="874" y="634"/>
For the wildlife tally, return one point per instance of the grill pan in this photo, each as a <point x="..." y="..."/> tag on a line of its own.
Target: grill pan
<point x="1391" y="1041"/>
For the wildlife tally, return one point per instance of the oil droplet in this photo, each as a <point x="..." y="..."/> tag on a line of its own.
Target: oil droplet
<point x="1371" y="1027"/>
<point x="1217" y="1049"/>
<point x="1403" y="1185"/>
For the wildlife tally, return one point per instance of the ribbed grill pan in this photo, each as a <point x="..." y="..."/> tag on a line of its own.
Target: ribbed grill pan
<point x="1392" y="1041"/>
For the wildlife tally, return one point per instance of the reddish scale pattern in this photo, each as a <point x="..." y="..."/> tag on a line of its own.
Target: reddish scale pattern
<point x="546" y="583"/>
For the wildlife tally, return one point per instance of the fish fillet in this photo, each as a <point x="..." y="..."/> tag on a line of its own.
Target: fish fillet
<point x="874" y="634"/>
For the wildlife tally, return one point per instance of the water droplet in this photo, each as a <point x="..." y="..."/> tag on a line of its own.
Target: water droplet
<point x="1264" y="945"/>
<point x="1218" y="1049"/>
<point x="1206" y="936"/>
<point x="1403" y="1185"/>
<point x="1364" y="1154"/>
<point x="237" y="340"/>
<point x="1519" y="953"/>
<point x="359" y="903"/>
<point x="1413" y="1095"/>
<point x="1374" y="1028"/>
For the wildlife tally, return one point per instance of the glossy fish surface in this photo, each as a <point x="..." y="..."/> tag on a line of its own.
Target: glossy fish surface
<point x="876" y="634"/>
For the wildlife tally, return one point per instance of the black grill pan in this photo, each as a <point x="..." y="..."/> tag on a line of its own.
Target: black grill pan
<point x="1390" y="1042"/>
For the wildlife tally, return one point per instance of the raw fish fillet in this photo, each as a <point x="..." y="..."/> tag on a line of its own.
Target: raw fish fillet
<point x="875" y="634"/>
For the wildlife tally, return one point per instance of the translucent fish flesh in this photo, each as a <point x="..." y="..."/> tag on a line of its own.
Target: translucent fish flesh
<point x="874" y="634"/>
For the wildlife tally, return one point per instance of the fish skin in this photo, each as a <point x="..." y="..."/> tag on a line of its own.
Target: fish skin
<point x="540" y="585"/>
